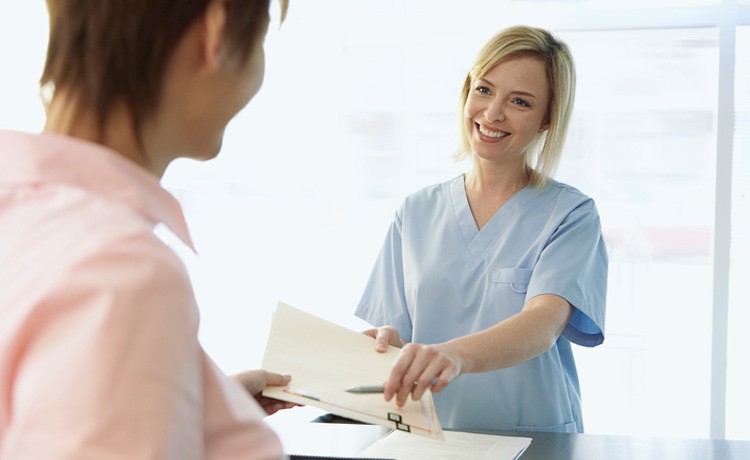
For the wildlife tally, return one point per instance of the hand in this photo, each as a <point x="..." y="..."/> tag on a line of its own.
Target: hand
<point x="420" y="367"/>
<point x="256" y="381"/>
<point x="384" y="336"/>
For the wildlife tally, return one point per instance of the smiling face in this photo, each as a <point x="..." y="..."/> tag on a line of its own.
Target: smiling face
<point x="506" y="109"/>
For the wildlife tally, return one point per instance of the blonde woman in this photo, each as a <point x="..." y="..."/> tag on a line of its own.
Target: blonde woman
<point x="492" y="275"/>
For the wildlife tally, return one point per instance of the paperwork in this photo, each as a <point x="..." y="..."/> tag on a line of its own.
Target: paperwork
<point x="324" y="359"/>
<point x="457" y="444"/>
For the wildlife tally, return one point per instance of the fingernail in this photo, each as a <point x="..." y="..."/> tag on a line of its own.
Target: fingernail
<point x="380" y="346"/>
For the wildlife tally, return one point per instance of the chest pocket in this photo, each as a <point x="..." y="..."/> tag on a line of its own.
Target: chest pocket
<point x="514" y="279"/>
<point x="506" y="293"/>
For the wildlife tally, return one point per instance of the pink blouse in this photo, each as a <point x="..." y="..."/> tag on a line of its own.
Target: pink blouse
<point x="99" y="355"/>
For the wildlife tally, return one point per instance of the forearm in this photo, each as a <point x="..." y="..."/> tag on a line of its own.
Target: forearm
<point x="519" y="338"/>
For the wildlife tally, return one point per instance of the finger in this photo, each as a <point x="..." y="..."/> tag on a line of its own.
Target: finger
<point x="393" y="385"/>
<point x="254" y="381"/>
<point x="441" y="367"/>
<point x="266" y="403"/>
<point x="423" y="383"/>
<point x="383" y="338"/>
<point x="423" y="356"/>
<point x="371" y="332"/>
<point x="443" y="380"/>
<point x="450" y="372"/>
<point x="277" y="407"/>
<point x="274" y="379"/>
<point x="271" y="409"/>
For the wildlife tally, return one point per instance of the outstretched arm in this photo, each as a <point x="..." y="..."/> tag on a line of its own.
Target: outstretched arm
<point x="523" y="336"/>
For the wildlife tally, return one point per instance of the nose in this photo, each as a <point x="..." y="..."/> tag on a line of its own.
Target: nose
<point x="495" y="110"/>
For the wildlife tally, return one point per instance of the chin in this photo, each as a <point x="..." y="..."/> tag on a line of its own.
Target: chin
<point x="213" y="153"/>
<point x="206" y="152"/>
<point x="210" y="156"/>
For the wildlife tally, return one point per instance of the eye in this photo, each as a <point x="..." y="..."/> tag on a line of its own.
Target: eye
<point x="521" y="102"/>
<point x="482" y="90"/>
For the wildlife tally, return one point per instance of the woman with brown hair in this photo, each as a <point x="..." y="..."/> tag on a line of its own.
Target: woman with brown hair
<point x="99" y="355"/>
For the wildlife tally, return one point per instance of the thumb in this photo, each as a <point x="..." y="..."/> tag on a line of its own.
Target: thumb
<point x="382" y="339"/>
<point x="274" y="379"/>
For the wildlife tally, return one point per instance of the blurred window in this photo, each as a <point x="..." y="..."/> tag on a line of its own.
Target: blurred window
<point x="643" y="143"/>
<point x="738" y="372"/>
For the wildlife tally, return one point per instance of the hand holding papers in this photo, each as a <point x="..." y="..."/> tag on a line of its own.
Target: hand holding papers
<point x="325" y="359"/>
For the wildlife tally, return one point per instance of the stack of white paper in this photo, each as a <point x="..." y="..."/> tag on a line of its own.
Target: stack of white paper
<point x="324" y="359"/>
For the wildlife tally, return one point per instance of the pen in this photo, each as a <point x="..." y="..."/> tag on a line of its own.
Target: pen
<point x="365" y="389"/>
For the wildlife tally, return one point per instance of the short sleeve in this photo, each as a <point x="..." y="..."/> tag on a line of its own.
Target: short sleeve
<point x="383" y="302"/>
<point x="573" y="265"/>
<point x="110" y="363"/>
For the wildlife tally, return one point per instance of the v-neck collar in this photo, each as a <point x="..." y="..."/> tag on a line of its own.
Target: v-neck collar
<point x="477" y="241"/>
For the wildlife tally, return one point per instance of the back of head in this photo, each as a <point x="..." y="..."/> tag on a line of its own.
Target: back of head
<point x="103" y="52"/>
<point x="543" y="155"/>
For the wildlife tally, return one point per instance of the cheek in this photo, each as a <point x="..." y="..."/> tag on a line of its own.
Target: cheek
<point x="471" y="111"/>
<point x="256" y="73"/>
<point x="470" y="108"/>
<point x="468" y="120"/>
<point x="535" y="124"/>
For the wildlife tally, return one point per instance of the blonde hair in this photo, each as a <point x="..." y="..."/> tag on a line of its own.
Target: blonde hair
<point x="543" y="155"/>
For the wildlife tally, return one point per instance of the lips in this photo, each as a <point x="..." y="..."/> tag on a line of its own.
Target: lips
<point x="491" y="133"/>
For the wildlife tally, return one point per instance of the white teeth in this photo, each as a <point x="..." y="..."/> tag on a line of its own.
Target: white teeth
<point x="493" y="134"/>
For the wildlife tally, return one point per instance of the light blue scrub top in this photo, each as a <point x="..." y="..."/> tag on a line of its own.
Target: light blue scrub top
<point x="438" y="277"/>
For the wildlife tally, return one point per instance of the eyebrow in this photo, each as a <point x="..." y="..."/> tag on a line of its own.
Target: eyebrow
<point x="517" y="92"/>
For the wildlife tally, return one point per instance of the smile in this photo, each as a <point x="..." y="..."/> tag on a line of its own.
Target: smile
<point x="491" y="133"/>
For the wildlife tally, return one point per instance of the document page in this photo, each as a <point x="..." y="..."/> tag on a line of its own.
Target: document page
<point x="457" y="444"/>
<point x="324" y="359"/>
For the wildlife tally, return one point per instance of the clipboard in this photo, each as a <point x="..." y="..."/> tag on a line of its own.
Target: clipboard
<point x="324" y="359"/>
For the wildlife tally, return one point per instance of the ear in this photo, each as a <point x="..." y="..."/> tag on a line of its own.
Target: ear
<point x="545" y="122"/>
<point x="214" y="21"/>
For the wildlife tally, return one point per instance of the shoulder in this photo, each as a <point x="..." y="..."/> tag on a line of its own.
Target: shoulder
<point x="90" y="247"/>
<point x="566" y="192"/>
<point x="565" y="198"/>
<point x="429" y="194"/>
<point x="133" y="283"/>
<point x="125" y="255"/>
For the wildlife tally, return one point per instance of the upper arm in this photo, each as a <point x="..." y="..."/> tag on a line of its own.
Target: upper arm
<point x="573" y="266"/>
<point x="109" y="361"/>
<point x="552" y="311"/>
<point x="383" y="301"/>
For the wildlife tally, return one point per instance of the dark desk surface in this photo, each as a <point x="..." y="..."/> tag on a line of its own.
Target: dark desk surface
<point x="303" y="437"/>
<point x="565" y="446"/>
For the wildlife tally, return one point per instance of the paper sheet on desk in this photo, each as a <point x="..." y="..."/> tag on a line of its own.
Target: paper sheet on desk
<point x="457" y="444"/>
<point x="324" y="359"/>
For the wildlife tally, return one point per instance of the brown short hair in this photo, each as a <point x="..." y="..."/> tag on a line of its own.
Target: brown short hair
<point x="104" y="51"/>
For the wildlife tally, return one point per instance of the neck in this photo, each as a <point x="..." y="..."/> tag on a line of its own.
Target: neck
<point x="66" y="117"/>
<point x="496" y="181"/>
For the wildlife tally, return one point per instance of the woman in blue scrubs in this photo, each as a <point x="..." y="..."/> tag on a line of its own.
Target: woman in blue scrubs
<point x="485" y="280"/>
